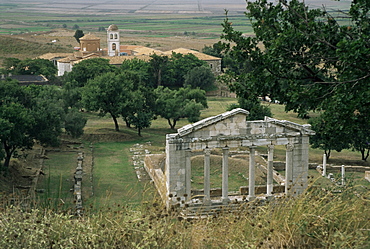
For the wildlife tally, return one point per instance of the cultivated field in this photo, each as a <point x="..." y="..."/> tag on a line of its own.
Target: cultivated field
<point x="153" y="18"/>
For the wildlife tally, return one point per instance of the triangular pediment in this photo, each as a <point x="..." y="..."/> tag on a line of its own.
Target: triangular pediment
<point x="236" y="116"/>
<point x="233" y="123"/>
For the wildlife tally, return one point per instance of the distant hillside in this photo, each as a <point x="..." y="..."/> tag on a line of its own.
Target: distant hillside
<point x="19" y="48"/>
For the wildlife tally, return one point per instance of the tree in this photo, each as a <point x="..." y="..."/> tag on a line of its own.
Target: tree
<point x="10" y="64"/>
<point x="201" y="77"/>
<point x="253" y="105"/>
<point x="48" y="112"/>
<point x="218" y="50"/>
<point x="170" y="71"/>
<point x="27" y="115"/>
<point x="142" y="93"/>
<point x="183" y="103"/>
<point x="37" y="67"/>
<point x="304" y="58"/>
<point x="16" y="122"/>
<point x="88" y="69"/>
<point x="158" y="64"/>
<point x="178" y="67"/>
<point x="108" y="94"/>
<point x="141" y="120"/>
<point x="78" y="33"/>
<point x="141" y="69"/>
<point x="329" y="135"/>
<point x="74" y="123"/>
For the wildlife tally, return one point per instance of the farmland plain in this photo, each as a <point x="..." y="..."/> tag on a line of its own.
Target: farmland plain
<point x="153" y="18"/>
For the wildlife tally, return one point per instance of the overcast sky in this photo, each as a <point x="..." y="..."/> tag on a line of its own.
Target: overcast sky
<point x="149" y="6"/>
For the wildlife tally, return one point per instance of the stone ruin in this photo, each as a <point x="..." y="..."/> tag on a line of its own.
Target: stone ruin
<point x="172" y="175"/>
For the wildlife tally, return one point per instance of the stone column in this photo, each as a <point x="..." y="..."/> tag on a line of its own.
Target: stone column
<point x="188" y="174"/>
<point x="252" y="168"/>
<point x="343" y="175"/>
<point x="225" y="175"/>
<point x="324" y="165"/>
<point x="207" y="176"/>
<point x="289" y="168"/>
<point x="270" y="166"/>
<point x="174" y="170"/>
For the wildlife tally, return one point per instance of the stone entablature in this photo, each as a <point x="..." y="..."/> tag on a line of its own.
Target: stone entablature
<point x="231" y="130"/>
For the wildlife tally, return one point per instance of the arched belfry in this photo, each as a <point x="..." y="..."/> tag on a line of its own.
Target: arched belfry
<point x="225" y="131"/>
<point x="113" y="40"/>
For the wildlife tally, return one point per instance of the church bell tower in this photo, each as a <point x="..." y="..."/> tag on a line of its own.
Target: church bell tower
<point x="113" y="40"/>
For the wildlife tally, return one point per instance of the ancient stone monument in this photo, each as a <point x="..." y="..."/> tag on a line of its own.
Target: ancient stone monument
<point x="172" y="176"/>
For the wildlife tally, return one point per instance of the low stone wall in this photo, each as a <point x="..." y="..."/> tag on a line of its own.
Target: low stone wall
<point x="78" y="183"/>
<point x="332" y="168"/>
<point x="262" y="189"/>
<point x="367" y="175"/>
<point x="153" y="164"/>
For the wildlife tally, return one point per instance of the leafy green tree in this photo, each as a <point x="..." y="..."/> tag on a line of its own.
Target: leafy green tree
<point x="141" y="94"/>
<point x="178" y="67"/>
<point x="304" y="58"/>
<point x="253" y="105"/>
<point x="141" y="120"/>
<point x="10" y="64"/>
<point x="78" y="34"/>
<point x="16" y="122"/>
<point x="218" y="50"/>
<point x="170" y="71"/>
<point x="36" y="67"/>
<point x="88" y="69"/>
<point x="183" y="103"/>
<point x="329" y="135"/>
<point x="201" y="77"/>
<point x="141" y="69"/>
<point x="71" y="95"/>
<point x="108" y="94"/>
<point x="74" y="123"/>
<point x="158" y="64"/>
<point x="48" y="112"/>
<point x="27" y="115"/>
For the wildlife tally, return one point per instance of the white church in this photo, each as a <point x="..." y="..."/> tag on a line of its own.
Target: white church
<point x="117" y="53"/>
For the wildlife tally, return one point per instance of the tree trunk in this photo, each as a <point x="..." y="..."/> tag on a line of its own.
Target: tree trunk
<point x="8" y="155"/>
<point x="115" y="122"/>
<point x="327" y="153"/>
<point x="364" y="157"/>
<point x="172" y="125"/>
<point x="159" y="77"/>
<point x="139" y="132"/>
<point x="128" y="125"/>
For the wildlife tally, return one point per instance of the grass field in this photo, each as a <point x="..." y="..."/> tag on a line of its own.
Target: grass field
<point x="114" y="177"/>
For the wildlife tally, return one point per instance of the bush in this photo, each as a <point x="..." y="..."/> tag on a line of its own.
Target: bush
<point x="74" y="123"/>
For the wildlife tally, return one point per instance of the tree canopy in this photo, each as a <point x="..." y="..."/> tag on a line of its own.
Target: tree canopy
<point x="306" y="59"/>
<point x="183" y="103"/>
<point x="170" y="71"/>
<point x="28" y="114"/>
<point x="108" y="94"/>
<point x="31" y="66"/>
<point x="88" y="69"/>
<point x="78" y="33"/>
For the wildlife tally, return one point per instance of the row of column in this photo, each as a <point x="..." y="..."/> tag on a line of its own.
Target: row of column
<point x="225" y="172"/>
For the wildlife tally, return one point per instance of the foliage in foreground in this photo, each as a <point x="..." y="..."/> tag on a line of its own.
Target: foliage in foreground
<point x="317" y="219"/>
<point x="306" y="59"/>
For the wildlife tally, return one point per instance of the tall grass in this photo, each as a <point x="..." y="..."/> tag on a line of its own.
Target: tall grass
<point x="317" y="219"/>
